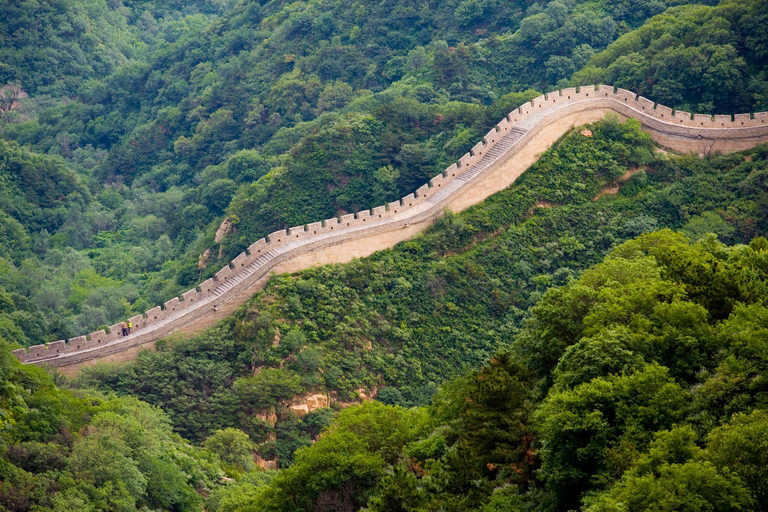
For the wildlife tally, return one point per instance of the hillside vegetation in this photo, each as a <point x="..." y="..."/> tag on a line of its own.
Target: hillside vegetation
<point x="405" y="320"/>
<point x="271" y="115"/>
<point x="700" y="59"/>
<point x="591" y="338"/>
<point x="638" y="386"/>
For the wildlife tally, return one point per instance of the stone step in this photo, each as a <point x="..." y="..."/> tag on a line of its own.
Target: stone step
<point x="243" y="274"/>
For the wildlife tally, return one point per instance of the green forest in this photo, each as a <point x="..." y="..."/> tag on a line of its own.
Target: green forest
<point x="590" y="338"/>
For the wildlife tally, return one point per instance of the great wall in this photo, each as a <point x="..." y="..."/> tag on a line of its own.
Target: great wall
<point x="492" y="165"/>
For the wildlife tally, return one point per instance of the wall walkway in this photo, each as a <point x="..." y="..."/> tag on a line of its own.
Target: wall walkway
<point x="493" y="164"/>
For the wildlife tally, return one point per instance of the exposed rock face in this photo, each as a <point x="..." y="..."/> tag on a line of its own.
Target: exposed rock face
<point x="270" y="418"/>
<point x="366" y="396"/>
<point x="204" y="259"/>
<point x="310" y="403"/>
<point x="265" y="464"/>
<point x="225" y="229"/>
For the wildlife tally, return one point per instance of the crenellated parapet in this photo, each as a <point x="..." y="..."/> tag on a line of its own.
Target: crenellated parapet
<point x="523" y="133"/>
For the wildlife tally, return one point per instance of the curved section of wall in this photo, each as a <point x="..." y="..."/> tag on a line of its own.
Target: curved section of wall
<point x="493" y="164"/>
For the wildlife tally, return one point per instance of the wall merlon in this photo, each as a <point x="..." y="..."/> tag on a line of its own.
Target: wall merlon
<point x="172" y="305"/>
<point x="478" y="149"/>
<point x="723" y="120"/>
<point x="504" y="125"/>
<point x="205" y="288"/>
<point x="605" y="90"/>
<point x="278" y="237"/>
<point x="190" y="296"/>
<point x="36" y="351"/>
<point x="741" y="119"/>
<point x="423" y="191"/>
<point x="240" y="261"/>
<point x="437" y="181"/>
<point x="394" y="207"/>
<point x="223" y="274"/>
<point x="625" y="95"/>
<point x="491" y="137"/>
<point x="315" y="228"/>
<point x="256" y="248"/>
<point x="97" y="337"/>
<point x="363" y="215"/>
<point x="409" y="200"/>
<point x="663" y="112"/>
<point x="116" y="331"/>
<point x="702" y="120"/>
<point x="586" y="91"/>
<point x="153" y="315"/>
<point x="761" y="118"/>
<point x="296" y="232"/>
<point x="568" y="93"/>
<point x="682" y="116"/>
<point x="20" y="353"/>
<point x="347" y="220"/>
<point x="113" y="334"/>
<point x="138" y="320"/>
<point x="331" y="224"/>
<point x="380" y="212"/>
<point x="58" y="347"/>
<point x="645" y="104"/>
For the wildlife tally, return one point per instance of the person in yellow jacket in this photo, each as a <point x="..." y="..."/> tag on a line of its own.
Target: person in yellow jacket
<point x="130" y="326"/>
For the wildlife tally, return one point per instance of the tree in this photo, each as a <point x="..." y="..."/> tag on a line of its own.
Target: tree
<point x="592" y="433"/>
<point x="233" y="447"/>
<point x="741" y="446"/>
<point x="9" y="96"/>
<point x="266" y="388"/>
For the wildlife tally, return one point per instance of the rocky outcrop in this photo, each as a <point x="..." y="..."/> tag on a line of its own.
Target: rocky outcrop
<point x="310" y="403"/>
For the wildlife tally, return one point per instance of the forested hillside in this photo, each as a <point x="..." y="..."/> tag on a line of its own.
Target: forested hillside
<point x="50" y="49"/>
<point x="638" y="386"/>
<point x="656" y="350"/>
<point x="700" y="59"/>
<point x="591" y="338"/>
<point x="403" y="321"/>
<point x="69" y="452"/>
<point x="270" y="115"/>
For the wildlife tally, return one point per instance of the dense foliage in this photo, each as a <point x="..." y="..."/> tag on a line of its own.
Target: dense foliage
<point x="405" y="320"/>
<point x="548" y="349"/>
<point x="51" y="48"/>
<point x="698" y="58"/>
<point x="638" y="386"/>
<point x="61" y="451"/>
<point x="271" y="114"/>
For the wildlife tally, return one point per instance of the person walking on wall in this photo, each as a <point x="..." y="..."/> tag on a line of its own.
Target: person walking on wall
<point x="125" y="329"/>
<point x="130" y="326"/>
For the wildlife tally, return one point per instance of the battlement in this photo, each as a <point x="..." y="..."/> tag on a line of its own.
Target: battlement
<point x="751" y="128"/>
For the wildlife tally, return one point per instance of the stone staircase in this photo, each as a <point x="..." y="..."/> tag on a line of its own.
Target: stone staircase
<point x="243" y="274"/>
<point x="496" y="152"/>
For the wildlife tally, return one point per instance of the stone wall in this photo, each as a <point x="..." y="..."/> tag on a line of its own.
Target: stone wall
<point x="537" y="125"/>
